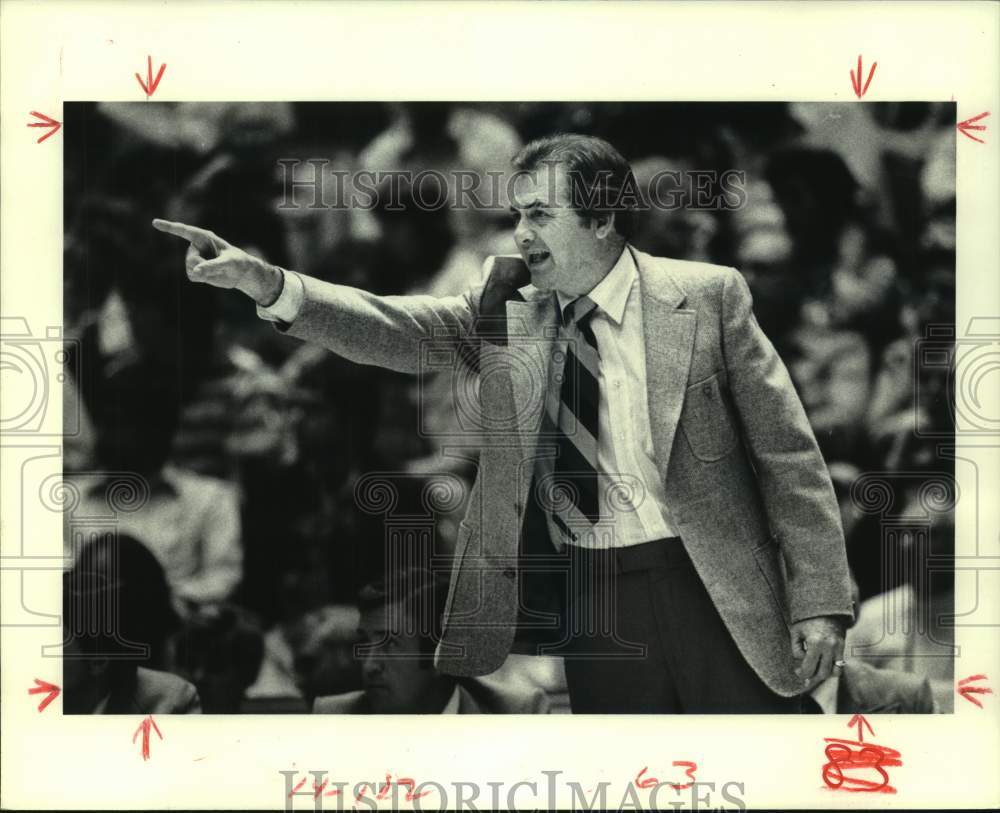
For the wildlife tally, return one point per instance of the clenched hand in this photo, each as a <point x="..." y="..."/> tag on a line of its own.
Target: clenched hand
<point x="818" y="643"/>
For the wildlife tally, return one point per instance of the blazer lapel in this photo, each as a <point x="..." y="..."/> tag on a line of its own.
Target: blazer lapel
<point x="531" y="333"/>
<point x="669" y="333"/>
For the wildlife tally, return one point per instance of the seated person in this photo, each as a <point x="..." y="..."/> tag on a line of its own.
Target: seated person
<point x="865" y="689"/>
<point x="860" y="688"/>
<point x="191" y="523"/>
<point x="117" y="614"/>
<point x="911" y="627"/>
<point x="220" y="650"/>
<point x="401" y="625"/>
<point x="323" y="643"/>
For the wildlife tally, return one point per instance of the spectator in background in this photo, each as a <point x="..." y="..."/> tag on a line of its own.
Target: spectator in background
<point x="401" y="626"/>
<point x="668" y="224"/>
<point x="265" y="448"/>
<point x="832" y="372"/>
<point x="860" y="688"/>
<point x="817" y="196"/>
<point x="762" y="252"/>
<point x="191" y="523"/>
<point x="117" y="614"/>
<point x="220" y="651"/>
<point x="309" y="655"/>
<point x="911" y="627"/>
<point x="323" y="642"/>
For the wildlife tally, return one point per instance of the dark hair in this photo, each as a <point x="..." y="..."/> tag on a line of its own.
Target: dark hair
<point x="600" y="179"/>
<point x="117" y="606"/>
<point x="420" y="597"/>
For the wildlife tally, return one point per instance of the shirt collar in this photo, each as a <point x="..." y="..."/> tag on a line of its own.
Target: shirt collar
<point x="611" y="293"/>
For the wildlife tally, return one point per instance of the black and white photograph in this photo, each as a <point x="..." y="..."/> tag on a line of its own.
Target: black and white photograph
<point x="512" y="406"/>
<point x="509" y="407"/>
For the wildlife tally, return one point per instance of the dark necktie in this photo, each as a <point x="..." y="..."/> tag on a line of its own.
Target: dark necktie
<point x="571" y="421"/>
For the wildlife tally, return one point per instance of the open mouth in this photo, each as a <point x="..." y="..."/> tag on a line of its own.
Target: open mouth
<point x="537" y="257"/>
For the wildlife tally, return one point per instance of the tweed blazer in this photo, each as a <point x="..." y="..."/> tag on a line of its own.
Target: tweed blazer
<point x="745" y="484"/>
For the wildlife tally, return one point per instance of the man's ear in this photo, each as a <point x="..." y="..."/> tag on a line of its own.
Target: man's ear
<point x="605" y="225"/>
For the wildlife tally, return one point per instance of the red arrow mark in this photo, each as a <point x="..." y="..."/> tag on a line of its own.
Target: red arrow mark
<point x="144" y="728"/>
<point x="45" y="122"/>
<point x="860" y="721"/>
<point x="969" y="124"/>
<point x="150" y="85"/>
<point x="967" y="691"/>
<point x="856" y="79"/>
<point x="41" y="686"/>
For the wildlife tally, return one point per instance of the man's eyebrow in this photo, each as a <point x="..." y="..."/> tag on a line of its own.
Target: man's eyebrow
<point x="535" y="204"/>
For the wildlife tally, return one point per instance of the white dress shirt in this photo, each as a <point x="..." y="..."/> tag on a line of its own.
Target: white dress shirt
<point x="191" y="524"/>
<point x="625" y="439"/>
<point x="289" y="302"/>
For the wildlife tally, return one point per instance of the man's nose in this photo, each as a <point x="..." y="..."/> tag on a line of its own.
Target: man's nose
<point x="524" y="236"/>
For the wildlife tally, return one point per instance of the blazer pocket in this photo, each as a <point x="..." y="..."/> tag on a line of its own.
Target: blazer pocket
<point x="706" y="420"/>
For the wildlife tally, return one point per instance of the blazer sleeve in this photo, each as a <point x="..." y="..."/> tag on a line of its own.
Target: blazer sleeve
<point x="384" y="331"/>
<point x="793" y="480"/>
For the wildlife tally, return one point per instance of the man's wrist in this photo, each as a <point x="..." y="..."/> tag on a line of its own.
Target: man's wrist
<point x="274" y="283"/>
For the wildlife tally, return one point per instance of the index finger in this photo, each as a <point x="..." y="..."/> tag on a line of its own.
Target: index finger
<point x="200" y="238"/>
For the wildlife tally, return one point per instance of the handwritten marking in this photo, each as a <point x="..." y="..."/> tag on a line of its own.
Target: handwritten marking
<point x="41" y="687"/>
<point x="860" y="721"/>
<point x="856" y="79"/>
<point x="382" y="789"/>
<point x="652" y="781"/>
<point x="45" y="122"/>
<point x="969" y="692"/>
<point x="691" y="768"/>
<point x="970" y="124"/>
<point x="144" y="727"/>
<point x="150" y="85"/>
<point x="856" y="755"/>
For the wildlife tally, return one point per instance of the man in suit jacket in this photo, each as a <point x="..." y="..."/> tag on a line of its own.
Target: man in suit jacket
<point x="706" y="569"/>
<point x="400" y="626"/>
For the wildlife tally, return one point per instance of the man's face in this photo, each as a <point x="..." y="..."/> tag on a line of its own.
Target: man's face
<point x="560" y="248"/>
<point x="396" y="675"/>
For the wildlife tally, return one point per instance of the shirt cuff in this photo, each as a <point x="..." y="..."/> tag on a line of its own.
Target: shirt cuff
<point x="289" y="302"/>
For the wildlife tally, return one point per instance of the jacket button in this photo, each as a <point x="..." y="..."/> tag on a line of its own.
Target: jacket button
<point x="707" y="389"/>
<point x="509" y="573"/>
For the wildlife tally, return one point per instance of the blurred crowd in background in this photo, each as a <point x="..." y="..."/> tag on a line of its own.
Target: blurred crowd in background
<point x="252" y="445"/>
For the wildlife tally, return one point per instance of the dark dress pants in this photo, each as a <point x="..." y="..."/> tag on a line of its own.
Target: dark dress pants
<point x="644" y="637"/>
